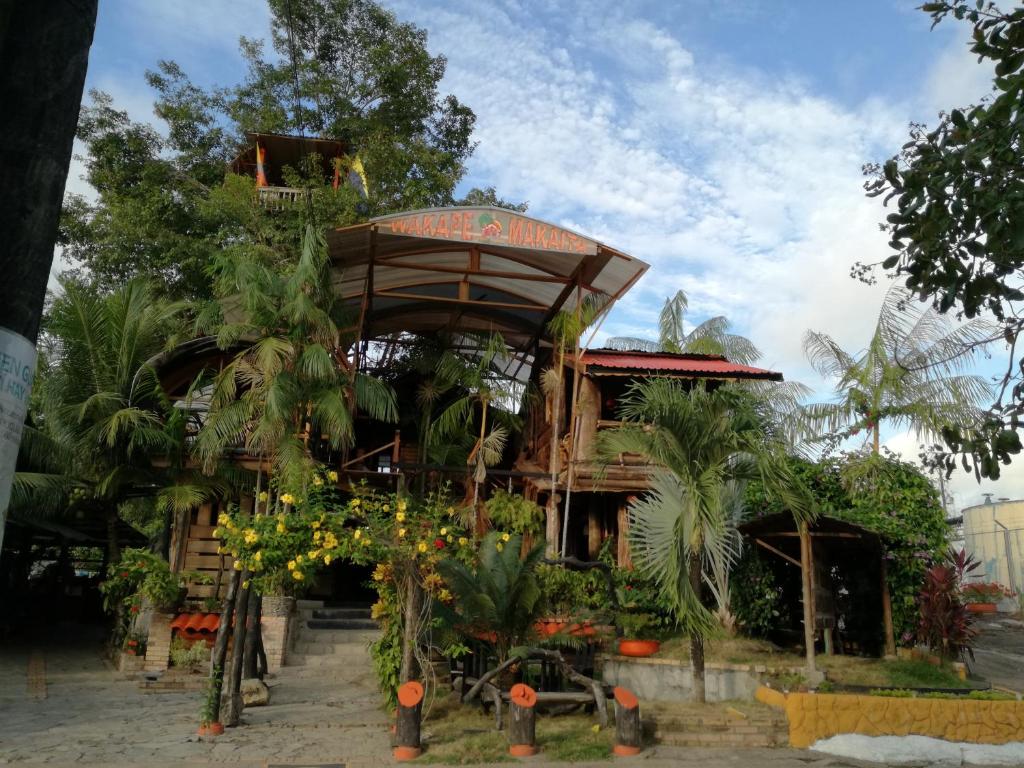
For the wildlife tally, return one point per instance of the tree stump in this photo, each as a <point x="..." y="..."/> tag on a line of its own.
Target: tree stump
<point x="522" y="725"/>
<point x="628" y="736"/>
<point x="407" y="723"/>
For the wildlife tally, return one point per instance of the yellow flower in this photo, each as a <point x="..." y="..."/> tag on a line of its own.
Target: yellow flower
<point x="297" y="575"/>
<point x="450" y="510"/>
<point x="386" y="507"/>
<point x="422" y="546"/>
<point x="291" y="565"/>
<point x="505" y="537"/>
<point x="444" y="595"/>
<point x="499" y="546"/>
<point x="354" y="503"/>
<point x="251" y="537"/>
<point x="401" y="532"/>
<point x="327" y="559"/>
<point x="367" y="542"/>
<point x="315" y="524"/>
<point x="463" y="541"/>
<point x="223" y="518"/>
<point x="280" y="528"/>
<point x="402" y="506"/>
<point x="312" y="554"/>
<point x="216" y="533"/>
<point x="317" y="482"/>
<point x="263" y="496"/>
<point x="298" y="558"/>
<point x="221" y="550"/>
<point x="287" y="498"/>
<point x="245" y="584"/>
<point x="596" y="727"/>
<point x="238" y="565"/>
<point x="357" y="533"/>
<point x="316" y="536"/>
<point x="400" y="517"/>
<point x="332" y="476"/>
<point x="258" y="556"/>
<point x="444" y="531"/>
<point x="450" y="538"/>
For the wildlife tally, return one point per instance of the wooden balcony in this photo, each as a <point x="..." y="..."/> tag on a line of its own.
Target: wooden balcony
<point x="277" y="198"/>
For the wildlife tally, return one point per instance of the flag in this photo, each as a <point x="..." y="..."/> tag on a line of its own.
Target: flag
<point x="261" y="175"/>
<point x="355" y="175"/>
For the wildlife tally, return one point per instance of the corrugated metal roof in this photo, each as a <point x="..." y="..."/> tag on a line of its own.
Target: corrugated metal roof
<point x="708" y="366"/>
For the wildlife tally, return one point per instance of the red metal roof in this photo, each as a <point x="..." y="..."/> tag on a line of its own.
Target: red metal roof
<point x="196" y="622"/>
<point x="704" y="366"/>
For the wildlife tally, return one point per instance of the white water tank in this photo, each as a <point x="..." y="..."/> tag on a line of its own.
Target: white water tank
<point x="994" y="534"/>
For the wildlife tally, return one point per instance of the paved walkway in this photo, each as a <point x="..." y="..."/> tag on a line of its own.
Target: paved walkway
<point x="63" y="705"/>
<point x="999" y="652"/>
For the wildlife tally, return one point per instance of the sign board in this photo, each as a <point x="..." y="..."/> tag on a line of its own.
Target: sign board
<point x="17" y="368"/>
<point x="486" y="226"/>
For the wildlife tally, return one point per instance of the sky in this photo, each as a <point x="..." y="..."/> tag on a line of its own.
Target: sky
<point x="722" y="142"/>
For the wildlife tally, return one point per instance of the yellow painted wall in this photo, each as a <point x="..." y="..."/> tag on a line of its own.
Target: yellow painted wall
<point x="814" y="716"/>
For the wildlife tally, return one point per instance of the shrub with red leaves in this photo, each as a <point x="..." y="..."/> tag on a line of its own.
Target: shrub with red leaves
<point x="945" y="625"/>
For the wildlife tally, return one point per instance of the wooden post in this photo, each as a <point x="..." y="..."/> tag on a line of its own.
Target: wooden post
<point x="232" y="708"/>
<point x="593" y="531"/>
<point x="805" y="577"/>
<point x="890" y="637"/>
<point x="552" y="528"/>
<point x="522" y="725"/>
<point x="407" y="722"/>
<point x="622" y="543"/>
<point x="628" y="736"/>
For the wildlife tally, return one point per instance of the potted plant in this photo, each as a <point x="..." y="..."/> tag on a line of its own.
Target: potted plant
<point x="135" y="644"/>
<point x="209" y="715"/>
<point x="981" y="597"/>
<point x="639" y="632"/>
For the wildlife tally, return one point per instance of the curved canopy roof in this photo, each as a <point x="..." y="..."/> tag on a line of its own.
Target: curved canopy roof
<point x="465" y="269"/>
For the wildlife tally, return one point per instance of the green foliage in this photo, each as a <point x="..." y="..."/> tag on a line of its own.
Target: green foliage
<point x="887" y="496"/>
<point x="210" y="711"/>
<point x="189" y="655"/>
<point x="514" y="512"/>
<point x="892" y="693"/>
<point x="499" y="596"/>
<point x="957" y="231"/>
<point x="571" y="593"/>
<point x="363" y="77"/>
<point x="755" y="595"/>
<point x="141" y="574"/>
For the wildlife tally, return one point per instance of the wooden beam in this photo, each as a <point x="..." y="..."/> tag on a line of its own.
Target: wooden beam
<point x="821" y="535"/>
<point x="447" y="300"/>
<point x="481" y="272"/>
<point x="806" y="564"/>
<point x="778" y="552"/>
<point x="890" y="638"/>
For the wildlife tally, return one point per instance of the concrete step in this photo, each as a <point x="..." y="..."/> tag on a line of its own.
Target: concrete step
<point x="341" y="624"/>
<point x="303" y="648"/>
<point x="340" y="613"/>
<point x="334" y="636"/>
<point x="341" y="661"/>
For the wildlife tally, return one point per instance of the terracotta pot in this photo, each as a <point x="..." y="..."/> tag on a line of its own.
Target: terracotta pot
<point x="981" y="607"/>
<point x="211" y="729"/>
<point x="638" y="648"/>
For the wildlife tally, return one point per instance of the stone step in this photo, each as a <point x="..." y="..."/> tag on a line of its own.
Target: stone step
<point x="323" y="660"/>
<point x="340" y="613"/>
<point x="333" y="636"/>
<point x="341" y="624"/>
<point x="303" y="648"/>
<point x="730" y="740"/>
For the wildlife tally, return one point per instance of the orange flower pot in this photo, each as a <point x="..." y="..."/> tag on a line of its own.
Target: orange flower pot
<point x="981" y="607"/>
<point x="638" y="648"/>
<point x="211" y="729"/>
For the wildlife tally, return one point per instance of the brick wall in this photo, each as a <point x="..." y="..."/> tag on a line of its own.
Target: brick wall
<point x="275" y="640"/>
<point x="158" y="645"/>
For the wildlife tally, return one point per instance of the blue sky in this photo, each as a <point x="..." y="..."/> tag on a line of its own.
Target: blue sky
<point x="720" y="141"/>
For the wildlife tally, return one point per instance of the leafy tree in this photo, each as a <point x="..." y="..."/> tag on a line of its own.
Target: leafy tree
<point x="701" y="443"/>
<point x="101" y="413"/>
<point x="910" y="374"/>
<point x="363" y="77"/>
<point x="712" y="337"/>
<point x="291" y="377"/>
<point x="958" y="225"/>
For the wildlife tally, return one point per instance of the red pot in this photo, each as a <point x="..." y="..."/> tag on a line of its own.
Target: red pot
<point x="981" y="607"/>
<point x="638" y="648"/>
<point x="211" y="729"/>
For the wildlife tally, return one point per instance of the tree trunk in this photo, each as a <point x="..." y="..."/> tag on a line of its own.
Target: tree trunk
<point x="227" y="609"/>
<point x="252" y="636"/>
<point x="44" y="52"/>
<point x="413" y="604"/>
<point x="628" y="731"/>
<point x="113" y="542"/>
<point x="696" y="641"/>
<point x="233" y="708"/>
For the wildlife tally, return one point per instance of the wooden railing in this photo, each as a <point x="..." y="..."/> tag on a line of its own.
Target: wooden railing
<point x="277" y="198"/>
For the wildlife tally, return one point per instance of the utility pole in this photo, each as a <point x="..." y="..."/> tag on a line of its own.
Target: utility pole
<point x="44" y="52"/>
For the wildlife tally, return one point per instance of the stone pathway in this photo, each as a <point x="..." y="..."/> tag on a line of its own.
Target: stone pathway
<point x="317" y="717"/>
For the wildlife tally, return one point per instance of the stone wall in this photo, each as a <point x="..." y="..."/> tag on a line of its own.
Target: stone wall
<point x="815" y="716"/>
<point x="275" y="641"/>
<point x="672" y="680"/>
<point x="158" y="643"/>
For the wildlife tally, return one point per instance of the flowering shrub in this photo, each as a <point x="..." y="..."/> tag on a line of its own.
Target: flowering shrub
<point x="141" y="574"/>
<point x="985" y="592"/>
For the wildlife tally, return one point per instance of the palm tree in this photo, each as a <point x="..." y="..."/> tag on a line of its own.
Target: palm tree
<point x="292" y="378"/>
<point x="102" y="415"/>
<point x="700" y="444"/>
<point x="712" y="337"/>
<point x="910" y="373"/>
